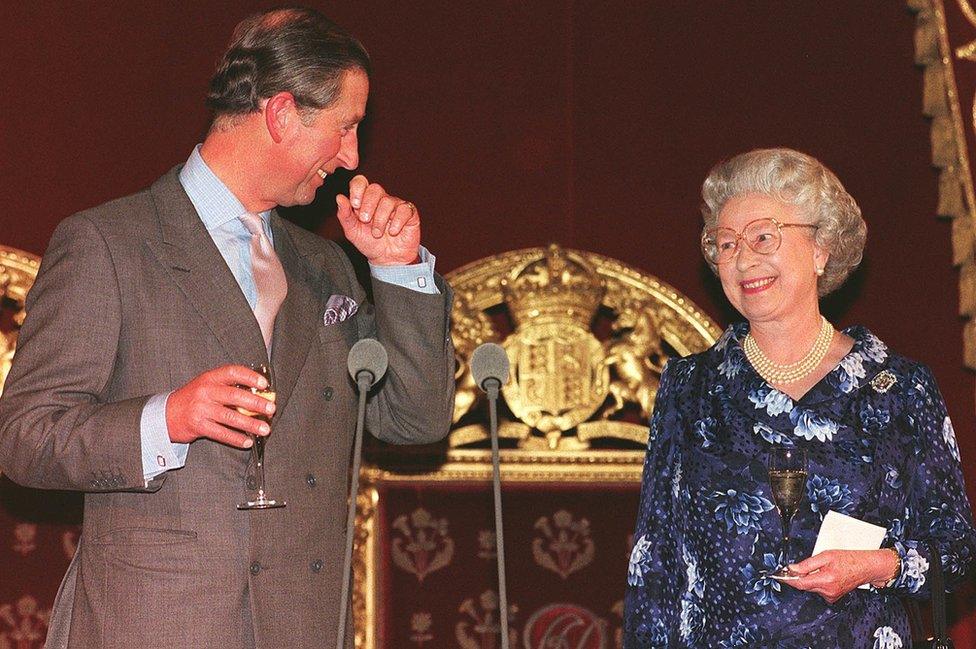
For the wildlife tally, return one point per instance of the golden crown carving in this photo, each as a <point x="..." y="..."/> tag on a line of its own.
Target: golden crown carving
<point x="558" y="286"/>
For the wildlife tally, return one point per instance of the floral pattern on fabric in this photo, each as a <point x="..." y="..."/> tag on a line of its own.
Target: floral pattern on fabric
<point x="886" y="638"/>
<point x="708" y="533"/>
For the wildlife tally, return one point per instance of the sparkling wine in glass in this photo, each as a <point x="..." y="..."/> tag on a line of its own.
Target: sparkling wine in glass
<point x="787" y="480"/>
<point x="261" y="500"/>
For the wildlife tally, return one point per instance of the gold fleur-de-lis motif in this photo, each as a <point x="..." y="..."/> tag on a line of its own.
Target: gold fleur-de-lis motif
<point x="23" y="624"/>
<point x="422" y="544"/>
<point x="482" y="629"/>
<point x="69" y="543"/>
<point x="420" y="624"/>
<point x="486" y="544"/>
<point x="25" y="537"/>
<point x="564" y="546"/>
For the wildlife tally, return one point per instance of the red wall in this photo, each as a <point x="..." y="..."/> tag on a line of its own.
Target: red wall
<point x="513" y="124"/>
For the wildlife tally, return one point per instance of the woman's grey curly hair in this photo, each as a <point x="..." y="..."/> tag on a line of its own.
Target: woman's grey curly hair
<point x="796" y="179"/>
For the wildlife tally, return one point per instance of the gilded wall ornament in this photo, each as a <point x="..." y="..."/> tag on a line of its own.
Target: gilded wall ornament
<point x="587" y="338"/>
<point x="559" y="378"/>
<point x="17" y="272"/>
<point x="942" y="104"/>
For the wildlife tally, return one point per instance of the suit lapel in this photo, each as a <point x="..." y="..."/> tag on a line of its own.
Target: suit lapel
<point x="191" y="257"/>
<point x="297" y="319"/>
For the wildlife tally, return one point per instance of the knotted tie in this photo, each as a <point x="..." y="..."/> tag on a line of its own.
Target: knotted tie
<point x="269" y="276"/>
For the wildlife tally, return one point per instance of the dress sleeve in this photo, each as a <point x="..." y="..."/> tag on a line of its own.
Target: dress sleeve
<point x="937" y="513"/>
<point x="651" y="600"/>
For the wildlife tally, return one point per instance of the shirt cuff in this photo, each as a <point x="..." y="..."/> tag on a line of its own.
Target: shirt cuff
<point x="417" y="277"/>
<point x="158" y="453"/>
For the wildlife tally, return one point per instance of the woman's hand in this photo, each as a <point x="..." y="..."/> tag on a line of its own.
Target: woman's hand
<point x="834" y="573"/>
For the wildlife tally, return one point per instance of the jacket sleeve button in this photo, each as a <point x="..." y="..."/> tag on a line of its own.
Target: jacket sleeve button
<point x="317" y="565"/>
<point x="327" y="393"/>
<point x="310" y="480"/>
<point x="255" y="568"/>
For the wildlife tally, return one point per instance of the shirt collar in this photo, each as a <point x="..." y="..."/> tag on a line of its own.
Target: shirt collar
<point x="214" y="202"/>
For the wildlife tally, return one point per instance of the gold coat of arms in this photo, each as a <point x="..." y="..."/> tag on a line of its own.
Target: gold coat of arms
<point x="587" y="338"/>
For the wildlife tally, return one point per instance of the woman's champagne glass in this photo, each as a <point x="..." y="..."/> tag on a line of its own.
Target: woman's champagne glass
<point x="261" y="501"/>
<point x="787" y="480"/>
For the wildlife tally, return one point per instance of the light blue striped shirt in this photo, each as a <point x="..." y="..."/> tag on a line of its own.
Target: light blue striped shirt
<point x="220" y="210"/>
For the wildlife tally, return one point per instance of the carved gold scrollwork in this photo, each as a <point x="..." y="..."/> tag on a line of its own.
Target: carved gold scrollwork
<point x="17" y="272"/>
<point x="364" y="574"/>
<point x="570" y="384"/>
<point x="18" y="269"/>
<point x="941" y="103"/>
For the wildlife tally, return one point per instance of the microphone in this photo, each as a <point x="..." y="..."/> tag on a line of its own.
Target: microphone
<point x="490" y="368"/>
<point x="367" y="363"/>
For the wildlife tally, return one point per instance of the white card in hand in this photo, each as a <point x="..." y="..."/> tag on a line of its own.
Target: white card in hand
<point x="843" y="532"/>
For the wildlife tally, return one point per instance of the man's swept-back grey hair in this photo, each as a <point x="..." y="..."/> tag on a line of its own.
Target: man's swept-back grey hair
<point x="294" y="50"/>
<point x="796" y="179"/>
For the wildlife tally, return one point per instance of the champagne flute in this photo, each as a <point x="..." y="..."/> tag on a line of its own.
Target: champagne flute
<point x="787" y="468"/>
<point x="257" y="449"/>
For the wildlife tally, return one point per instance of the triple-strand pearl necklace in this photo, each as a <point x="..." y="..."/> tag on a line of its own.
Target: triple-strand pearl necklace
<point x="778" y="374"/>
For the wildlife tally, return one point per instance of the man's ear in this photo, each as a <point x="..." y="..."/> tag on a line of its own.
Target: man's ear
<point x="280" y="114"/>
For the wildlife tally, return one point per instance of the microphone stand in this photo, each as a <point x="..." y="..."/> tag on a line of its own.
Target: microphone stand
<point x="367" y="363"/>
<point x="364" y="380"/>
<point x="492" y="385"/>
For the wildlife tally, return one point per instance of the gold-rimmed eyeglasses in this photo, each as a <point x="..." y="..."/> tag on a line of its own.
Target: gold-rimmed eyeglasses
<point x="763" y="236"/>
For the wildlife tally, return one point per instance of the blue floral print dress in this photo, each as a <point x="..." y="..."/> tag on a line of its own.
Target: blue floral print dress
<point x="880" y="448"/>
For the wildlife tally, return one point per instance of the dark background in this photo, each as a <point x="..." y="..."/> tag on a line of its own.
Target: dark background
<point x="514" y="124"/>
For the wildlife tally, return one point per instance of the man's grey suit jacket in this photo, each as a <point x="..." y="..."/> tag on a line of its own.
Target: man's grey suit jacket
<point x="134" y="299"/>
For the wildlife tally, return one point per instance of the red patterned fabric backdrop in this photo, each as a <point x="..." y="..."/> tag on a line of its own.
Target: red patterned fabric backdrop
<point x="38" y="535"/>
<point x="566" y="552"/>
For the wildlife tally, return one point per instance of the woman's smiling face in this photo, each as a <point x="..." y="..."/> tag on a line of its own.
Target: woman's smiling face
<point x="775" y="286"/>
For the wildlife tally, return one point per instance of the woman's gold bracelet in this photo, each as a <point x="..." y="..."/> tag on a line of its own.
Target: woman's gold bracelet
<point x="891" y="580"/>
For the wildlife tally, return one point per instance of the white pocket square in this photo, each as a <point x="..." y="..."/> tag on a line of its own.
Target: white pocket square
<point x="338" y="309"/>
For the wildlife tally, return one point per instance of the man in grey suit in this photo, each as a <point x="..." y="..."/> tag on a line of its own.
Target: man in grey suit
<point x="126" y="383"/>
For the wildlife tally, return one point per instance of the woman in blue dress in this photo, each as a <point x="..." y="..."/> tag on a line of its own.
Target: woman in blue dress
<point x="781" y="231"/>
